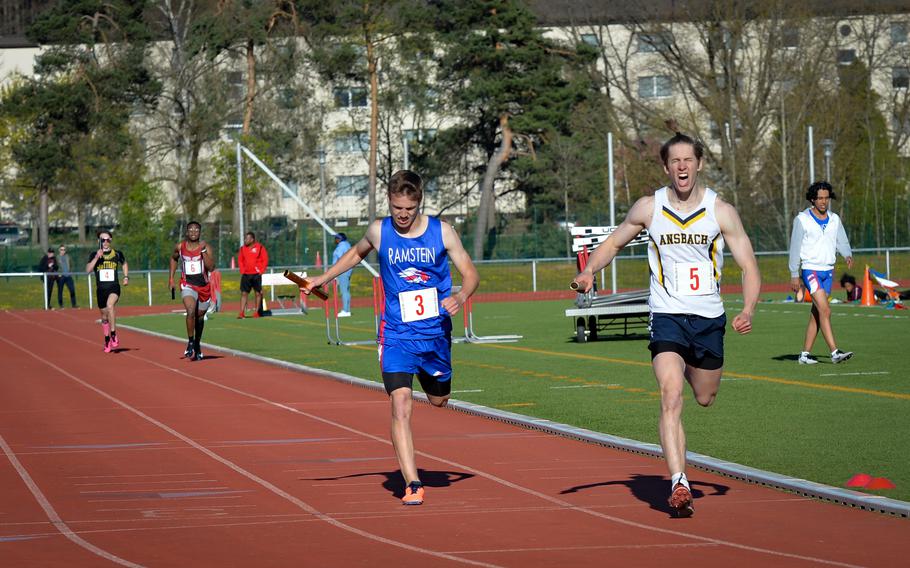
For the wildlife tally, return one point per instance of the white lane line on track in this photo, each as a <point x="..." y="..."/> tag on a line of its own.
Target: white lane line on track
<point x="331" y="520"/>
<point x="224" y="461"/>
<point x="51" y="513"/>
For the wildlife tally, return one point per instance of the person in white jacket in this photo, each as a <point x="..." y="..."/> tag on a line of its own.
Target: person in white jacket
<point x="818" y="235"/>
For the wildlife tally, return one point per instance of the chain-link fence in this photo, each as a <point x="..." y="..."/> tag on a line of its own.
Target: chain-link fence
<point x="519" y="277"/>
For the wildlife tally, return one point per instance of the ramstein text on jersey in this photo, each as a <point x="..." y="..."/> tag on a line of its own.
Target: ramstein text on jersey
<point x="411" y="255"/>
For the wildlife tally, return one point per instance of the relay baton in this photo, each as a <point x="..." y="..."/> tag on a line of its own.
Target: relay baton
<point x="173" y="294"/>
<point x="304" y="283"/>
<point x="574" y="285"/>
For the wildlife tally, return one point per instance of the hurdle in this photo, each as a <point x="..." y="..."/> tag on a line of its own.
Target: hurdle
<point x="275" y="279"/>
<point x="378" y="306"/>
<point x="470" y="336"/>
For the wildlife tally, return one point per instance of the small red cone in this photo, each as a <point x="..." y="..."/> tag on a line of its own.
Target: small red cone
<point x="868" y="294"/>
<point x="233" y="263"/>
<point x="859" y="480"/>
<point x="880" y="483"/>
<point x="318" y="260"/>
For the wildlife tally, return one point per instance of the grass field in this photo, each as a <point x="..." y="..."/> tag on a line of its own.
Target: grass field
<point x="824" y="422"/>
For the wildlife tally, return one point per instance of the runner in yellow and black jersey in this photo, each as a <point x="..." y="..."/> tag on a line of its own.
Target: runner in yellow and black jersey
<point x="106" y="263"/>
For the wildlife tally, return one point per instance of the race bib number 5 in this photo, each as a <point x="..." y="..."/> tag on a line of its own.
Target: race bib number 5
<point x="695" y="279"/>
<point x="418" y="305"/>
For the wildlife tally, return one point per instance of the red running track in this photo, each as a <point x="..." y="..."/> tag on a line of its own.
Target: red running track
<point x="140" y="458"/>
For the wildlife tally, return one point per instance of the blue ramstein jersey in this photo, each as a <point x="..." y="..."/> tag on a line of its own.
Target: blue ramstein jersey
<point x="410" y="269"/>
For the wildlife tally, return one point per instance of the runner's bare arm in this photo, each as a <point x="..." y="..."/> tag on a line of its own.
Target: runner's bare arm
<point x="735" y="236"/>
<point x="173" y="266"/>
<point x="462" y="261"/>
<point x="208" y="259"/>
<point x="637" y="220"/>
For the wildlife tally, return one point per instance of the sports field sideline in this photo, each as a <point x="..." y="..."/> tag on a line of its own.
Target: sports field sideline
<point x="823" y="423"/>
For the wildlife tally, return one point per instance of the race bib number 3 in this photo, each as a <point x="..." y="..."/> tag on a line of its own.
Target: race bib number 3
<point x="418" y="305"/>
<point x="106" y="275"/>
<point x="193" y="267"/>
<point x="695" y="279"/>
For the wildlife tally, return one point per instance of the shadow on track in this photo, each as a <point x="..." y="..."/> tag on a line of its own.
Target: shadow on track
<point x="393" y="482"/>
<point x="652" y="489"/>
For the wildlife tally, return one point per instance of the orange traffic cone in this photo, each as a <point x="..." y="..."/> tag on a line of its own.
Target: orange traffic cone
<point x="319" y="261"/>
<point x="233" y="263"/>
<point x="868" y="294"/>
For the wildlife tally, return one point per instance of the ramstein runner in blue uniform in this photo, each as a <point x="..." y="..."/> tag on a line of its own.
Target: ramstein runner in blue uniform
<point x="415" y="333"/>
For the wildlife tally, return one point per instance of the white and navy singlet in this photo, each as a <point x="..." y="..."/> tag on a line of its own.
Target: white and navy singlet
<point x="686" y="258"/>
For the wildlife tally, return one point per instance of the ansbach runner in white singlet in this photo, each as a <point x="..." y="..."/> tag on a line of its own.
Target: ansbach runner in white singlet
<point x="686" y="258"/>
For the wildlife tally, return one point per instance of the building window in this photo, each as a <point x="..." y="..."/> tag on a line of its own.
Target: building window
<point x="421" y="136"/>
<point x="900" y="77"/>
<point x="352" y="186"/>
<point x="845" y="30"/>
<point x="898" y="32"/>
<point x="590" y="39"/>
<point x="655" y="86"/>
<point x="846" y="56"/>
<point x="350" y="97"/>
<point x="901" y="126"/>
<point x="352" y="142"/>
<point x="719" y="131"/>
<point x="654" y="42"/>
<point x="236" y="87"/>
<point x="789" y="37"/>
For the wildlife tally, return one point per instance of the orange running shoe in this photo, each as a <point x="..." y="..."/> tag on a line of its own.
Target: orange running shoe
<point x="413" y="494"/>
<point x="241" y="315"/>
<point x="681" y="501"/>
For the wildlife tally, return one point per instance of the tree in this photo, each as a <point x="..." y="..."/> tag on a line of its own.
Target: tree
<point x="507" y="86"/>
<point x="353" y="41"/>
<point x="87" y="82"/>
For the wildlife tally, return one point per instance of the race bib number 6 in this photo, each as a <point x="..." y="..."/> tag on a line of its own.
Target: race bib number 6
<point x="695" y="278"/>
<point x="418" y="305"/>
<point x="193" y="267"/>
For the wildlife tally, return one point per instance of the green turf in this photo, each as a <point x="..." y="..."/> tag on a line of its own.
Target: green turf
<point x="770" y="413"/>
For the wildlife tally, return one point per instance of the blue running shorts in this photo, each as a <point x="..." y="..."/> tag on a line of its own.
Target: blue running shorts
<point x="818" y="279"/>
<point x="429" y="359"/>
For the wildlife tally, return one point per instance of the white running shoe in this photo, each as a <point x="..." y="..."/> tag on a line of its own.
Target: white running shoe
<point x="807" y="359"/>
<point x="838" y="356"/>
<point x="344" y="314"/>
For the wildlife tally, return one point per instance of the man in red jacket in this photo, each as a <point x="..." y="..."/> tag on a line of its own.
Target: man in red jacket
<point x="253" y="261"/>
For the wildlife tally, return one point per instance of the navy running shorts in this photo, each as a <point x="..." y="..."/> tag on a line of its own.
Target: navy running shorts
<point x="698" y="340"/>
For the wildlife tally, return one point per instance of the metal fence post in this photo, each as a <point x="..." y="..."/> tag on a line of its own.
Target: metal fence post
<point x="149" y="280"/>
<point x="534" y="275"/>
<point x="46" y="303"/>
